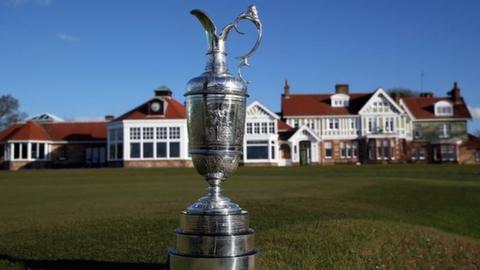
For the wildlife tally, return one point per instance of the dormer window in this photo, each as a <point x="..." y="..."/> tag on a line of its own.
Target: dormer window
<point x="443" y="108"/>
<point x="339" y="100"/>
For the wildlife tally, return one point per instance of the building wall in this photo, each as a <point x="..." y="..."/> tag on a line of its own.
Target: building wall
<point x="73" y="154"/>
<point x="429" y="131"/>
<point x="157" y="164"/>
<point x="469" y="155"/>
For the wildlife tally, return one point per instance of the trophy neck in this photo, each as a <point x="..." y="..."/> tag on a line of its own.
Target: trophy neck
<point x="216" y="62"/>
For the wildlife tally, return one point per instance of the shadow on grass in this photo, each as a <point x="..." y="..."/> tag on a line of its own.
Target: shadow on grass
<point x="80" y="264"/>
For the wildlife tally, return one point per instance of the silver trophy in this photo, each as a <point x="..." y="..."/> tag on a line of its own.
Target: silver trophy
<point x="214" y="232"/>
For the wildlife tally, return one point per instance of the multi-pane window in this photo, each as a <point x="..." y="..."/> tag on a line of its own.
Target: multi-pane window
<point x="448" y="152"/>
<point x="264" y="128"/>
<point x="444" y="130"/>
<point x="155" y="142"/>
<point x="37" y="151"/>
<point x="417" y="131"/>
<point x="174" y="133"/>
<point x="148" y="133"/>
<point x="388" y="124"/>
<point x="161" y="133"/>
<point x="249" y="128"/>
<point x="445" y="110"/>
<point x="20" y="151"/>
<point x="256" y="128"/>
<point x="115" y="142"/>
<point x="348" y="149"/>
<point x="328" y="149"/>
<point x="311" y="123"/>
<point x="271" y="128"/>
<point x="385" y="149"/>
<point x="418" y="153"/>
<point x="333" y="123"/>
<point x="135" y="133"/>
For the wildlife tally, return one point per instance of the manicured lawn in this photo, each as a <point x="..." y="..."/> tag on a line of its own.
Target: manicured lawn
<point x="337" y="217"/>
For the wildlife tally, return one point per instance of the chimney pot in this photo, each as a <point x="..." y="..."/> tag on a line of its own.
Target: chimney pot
<point x="286" y="88"/>
<point x="426" y="94"/>
<point x="109" y="117"/>
<point x="454" y="94"/>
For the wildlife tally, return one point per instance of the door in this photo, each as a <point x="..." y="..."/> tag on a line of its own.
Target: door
<point x="305" y="153"/>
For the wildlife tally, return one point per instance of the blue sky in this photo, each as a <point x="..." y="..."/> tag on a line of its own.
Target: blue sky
<point x="85" y="59"/>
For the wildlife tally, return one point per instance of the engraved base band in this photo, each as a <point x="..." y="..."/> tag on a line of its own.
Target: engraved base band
<point x="245" y="262"/>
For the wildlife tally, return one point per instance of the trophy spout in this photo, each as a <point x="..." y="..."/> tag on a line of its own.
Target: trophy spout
<point x="210" y="28"/>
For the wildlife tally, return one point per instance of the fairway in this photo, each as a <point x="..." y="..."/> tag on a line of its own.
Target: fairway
<point x="322" y="217"/>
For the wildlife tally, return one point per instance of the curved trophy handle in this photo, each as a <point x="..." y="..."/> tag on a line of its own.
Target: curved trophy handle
<point x="251" y="15"/>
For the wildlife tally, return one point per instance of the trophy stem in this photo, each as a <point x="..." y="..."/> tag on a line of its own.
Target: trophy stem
<point x="214" y="188"/>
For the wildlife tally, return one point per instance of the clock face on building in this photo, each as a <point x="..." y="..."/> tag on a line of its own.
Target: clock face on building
<point x="155" y="107"/>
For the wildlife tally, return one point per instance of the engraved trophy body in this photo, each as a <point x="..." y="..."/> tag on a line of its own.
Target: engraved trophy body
<point x="214" y="232"/>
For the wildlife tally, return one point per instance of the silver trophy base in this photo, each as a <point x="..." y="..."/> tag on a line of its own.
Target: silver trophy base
<point x="213" y="242"/>
<point x="245" y="262"/>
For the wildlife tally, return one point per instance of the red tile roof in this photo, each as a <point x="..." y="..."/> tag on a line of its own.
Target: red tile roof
<point x="423" y="107"/>
<point x="77" y="131"/>
<point x="64" y="131"/>
<point x="282" y="126"/>
<point x="28" y="131"/>
<point x="319" y="104"/>
<point x="175" y="110"/>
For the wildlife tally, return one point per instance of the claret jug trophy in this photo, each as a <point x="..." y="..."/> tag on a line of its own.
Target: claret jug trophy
<point x="214" y="233"/>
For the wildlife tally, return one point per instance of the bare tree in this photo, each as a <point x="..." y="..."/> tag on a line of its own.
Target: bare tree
<point x="9" y="111"/>
<point x="402" y="92"/>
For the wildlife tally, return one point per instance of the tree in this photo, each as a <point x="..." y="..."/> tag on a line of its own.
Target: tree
<point x="402" y="92"/>
<point x="9" y="111"/>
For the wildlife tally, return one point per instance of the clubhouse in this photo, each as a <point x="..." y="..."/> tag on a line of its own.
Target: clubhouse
<point x="331" y="128"/>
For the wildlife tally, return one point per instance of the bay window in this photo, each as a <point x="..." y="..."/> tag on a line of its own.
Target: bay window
<point x="257" y="149"/>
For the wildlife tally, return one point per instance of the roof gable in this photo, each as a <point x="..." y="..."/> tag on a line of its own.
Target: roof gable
<point x="257" y="109"/>
<point x="381" y="102"/>
<point x="304" y="131"/>
<point x="45" y="117"/>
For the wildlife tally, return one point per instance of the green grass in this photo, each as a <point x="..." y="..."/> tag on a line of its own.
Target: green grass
<point x="325" y="217"/>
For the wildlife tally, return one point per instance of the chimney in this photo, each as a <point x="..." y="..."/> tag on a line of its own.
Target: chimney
<point x="286" y="88"/>
<point x="454" y="94"/>
<point x="426" y="94"/>
<point x="341" y="88"/>
<point x="163" y="91"/>
<point x="109" y="117"/>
